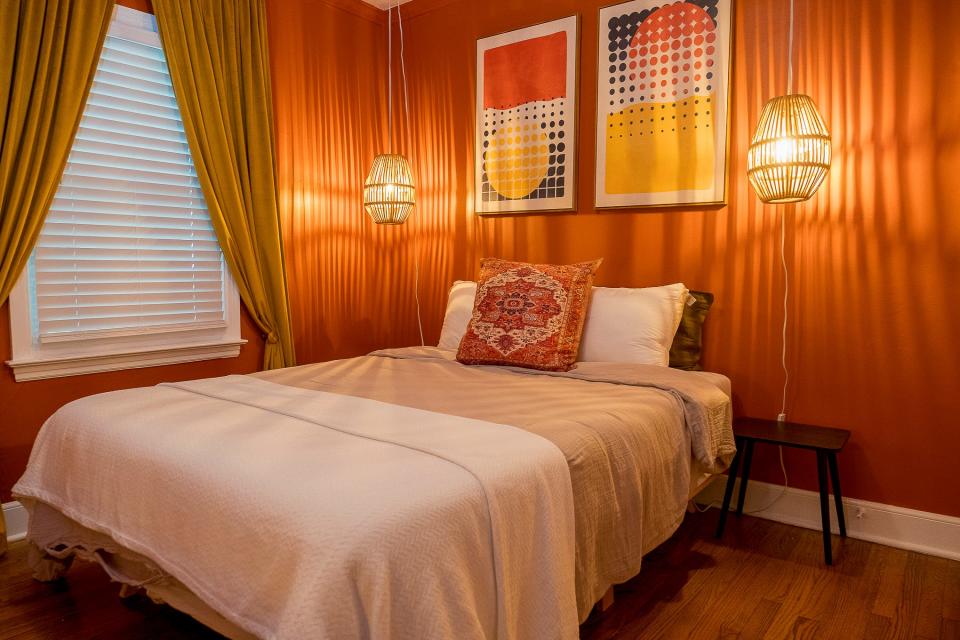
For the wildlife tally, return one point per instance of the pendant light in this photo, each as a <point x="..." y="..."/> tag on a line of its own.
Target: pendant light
<point x="388" y="193"/>
<point x="789" y="155"/>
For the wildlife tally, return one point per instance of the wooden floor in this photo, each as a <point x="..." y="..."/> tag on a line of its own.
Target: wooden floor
<point x="765" y="580"/>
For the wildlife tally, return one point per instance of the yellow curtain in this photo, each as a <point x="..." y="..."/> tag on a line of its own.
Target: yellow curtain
<point x="218" y="58"/>
<point x="48" y="56"/>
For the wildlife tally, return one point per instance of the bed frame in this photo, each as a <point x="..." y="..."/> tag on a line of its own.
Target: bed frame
<point x="606" y="600"/>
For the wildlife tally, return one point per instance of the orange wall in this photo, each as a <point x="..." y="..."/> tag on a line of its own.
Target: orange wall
<point x="875" y="256"/>
<point x="327" y="63"/>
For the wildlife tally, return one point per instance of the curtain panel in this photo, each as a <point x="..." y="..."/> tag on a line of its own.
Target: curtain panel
<point x="49" y="51"/>
<point x="218" y="58"/>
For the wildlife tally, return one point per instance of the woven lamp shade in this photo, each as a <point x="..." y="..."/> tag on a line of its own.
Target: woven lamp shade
<point x="789" y="155"/>
<point x="389" y="194"/>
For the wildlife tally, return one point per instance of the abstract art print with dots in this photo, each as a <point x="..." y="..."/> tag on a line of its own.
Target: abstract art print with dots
<point x="663" y="79"/>
<point x="527" y="119"/>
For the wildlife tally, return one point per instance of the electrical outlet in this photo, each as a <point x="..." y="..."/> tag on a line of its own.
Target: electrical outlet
<point x="861" y="513"/>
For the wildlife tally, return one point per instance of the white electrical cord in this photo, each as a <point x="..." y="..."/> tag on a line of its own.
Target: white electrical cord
<point x="416" y="241"/>
<point x="783" y="353"/>
<point x="786" y="297"/>
<point x="403" y="71"/>
<point x="790" y="53"/>
<point x="390" y="78"/>
<point x="782" y="417"/>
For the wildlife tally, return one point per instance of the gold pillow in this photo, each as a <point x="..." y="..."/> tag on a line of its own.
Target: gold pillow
<point x="686" y="351"/>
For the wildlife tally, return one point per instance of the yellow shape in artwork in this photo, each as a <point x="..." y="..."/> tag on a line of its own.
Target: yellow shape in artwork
<point x="658" y="147"/>
<point x="517" y="159"/>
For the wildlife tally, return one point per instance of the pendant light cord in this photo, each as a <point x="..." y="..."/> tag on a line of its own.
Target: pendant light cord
<point x="390" y="78"/>
<point x="790" y="53"/>
<point x="786" y="299"/>
<point x="786" y="294"/>
<point x="782" y="417"/>
<point x="403" y="71"/>
<point x="783" y="247"/>
<point x="416" y="284"/>
<point x="406" y="119"/>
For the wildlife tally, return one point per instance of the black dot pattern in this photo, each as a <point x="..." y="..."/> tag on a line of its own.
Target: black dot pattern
<point x="664" y="53"/>
<point x="551" y="125"/>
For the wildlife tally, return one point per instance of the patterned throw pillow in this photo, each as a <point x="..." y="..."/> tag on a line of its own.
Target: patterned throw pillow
<point x="528" y="315"/>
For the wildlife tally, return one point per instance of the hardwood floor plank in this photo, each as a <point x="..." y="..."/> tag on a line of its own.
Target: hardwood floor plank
<point x="858" y="589"/>
<point x="908" y="608"/>
<point x="892" y="570"/>
<point x="950" y="629"/>
<point x="951" y="591"/>
<point x="933" y="585"/>
<point x="878" y="628"/>
<point x="759" y="620"/>
<point x="800" y="584"/>
<point x="806" y="629"/>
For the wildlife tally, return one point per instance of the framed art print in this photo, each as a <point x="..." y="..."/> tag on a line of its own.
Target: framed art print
<point x="662" y="103"/>
<point x="527" y="119"/>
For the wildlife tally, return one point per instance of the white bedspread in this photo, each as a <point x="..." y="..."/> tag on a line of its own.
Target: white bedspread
<point x="306" y="514"/>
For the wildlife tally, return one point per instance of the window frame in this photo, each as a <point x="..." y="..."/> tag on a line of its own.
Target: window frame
<point x="33" y="359"/>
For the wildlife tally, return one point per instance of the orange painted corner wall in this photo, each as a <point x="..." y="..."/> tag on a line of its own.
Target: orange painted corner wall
<point x="316" y="46"/>
<point x="874" y="257"/>
<point x="350" y="281"/>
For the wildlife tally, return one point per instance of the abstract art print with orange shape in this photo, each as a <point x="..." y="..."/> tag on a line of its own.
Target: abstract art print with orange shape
<point x="662" y="93"/>
<point x="527" y="119"/>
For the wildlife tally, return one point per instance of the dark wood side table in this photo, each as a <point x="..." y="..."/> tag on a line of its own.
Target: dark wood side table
<point x="825" y="441"/>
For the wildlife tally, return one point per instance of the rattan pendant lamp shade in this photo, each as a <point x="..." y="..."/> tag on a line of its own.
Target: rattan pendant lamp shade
<point x="389" y="193"/>
<point x="789" y="155"/>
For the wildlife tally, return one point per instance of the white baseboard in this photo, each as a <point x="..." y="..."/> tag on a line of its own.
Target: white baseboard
<point x="929" y="533"/>
<point x="16" y="518"/>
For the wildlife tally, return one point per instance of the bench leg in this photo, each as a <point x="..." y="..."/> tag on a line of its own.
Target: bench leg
<point x="824" y="506"/>
<point x="745" y="476"/>
<point x="837" y="497"/>
<point x="728" y="491"/>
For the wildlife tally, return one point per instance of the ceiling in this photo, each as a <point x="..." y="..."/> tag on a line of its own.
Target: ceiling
<point x="385" y="4"/>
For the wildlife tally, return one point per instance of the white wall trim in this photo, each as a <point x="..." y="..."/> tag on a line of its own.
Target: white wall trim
<point x="15" y="515"/>
<point x="921" y="531"/>
<point x="25" y="370"/>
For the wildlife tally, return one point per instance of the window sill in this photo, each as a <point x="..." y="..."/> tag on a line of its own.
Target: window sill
<point x="77" y="365"/>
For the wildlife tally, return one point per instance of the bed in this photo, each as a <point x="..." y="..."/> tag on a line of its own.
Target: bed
<point x="399" y="494"/>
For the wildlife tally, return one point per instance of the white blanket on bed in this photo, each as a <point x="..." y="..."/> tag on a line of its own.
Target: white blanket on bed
<point x="305" y="514"/>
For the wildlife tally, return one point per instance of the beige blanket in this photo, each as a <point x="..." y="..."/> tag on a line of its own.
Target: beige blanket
<point x="249" y="491"/>
<point x="627" y="432"/>
<point x="305" y="514"/>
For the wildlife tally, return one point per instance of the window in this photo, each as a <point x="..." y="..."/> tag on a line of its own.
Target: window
<point x="127" y="271"/>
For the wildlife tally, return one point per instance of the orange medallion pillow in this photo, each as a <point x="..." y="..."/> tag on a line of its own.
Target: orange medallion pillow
<point x="528" y="315"/>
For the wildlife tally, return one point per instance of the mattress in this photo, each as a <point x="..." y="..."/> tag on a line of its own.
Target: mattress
<point x="632" y="437"/>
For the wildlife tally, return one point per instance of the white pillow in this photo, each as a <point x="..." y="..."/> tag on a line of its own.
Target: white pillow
<point x="623" y="325"/>
<point x="632" y="325"/>
<point x="457" y="317"/>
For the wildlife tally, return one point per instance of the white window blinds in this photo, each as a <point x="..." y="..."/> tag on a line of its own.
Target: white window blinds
<point x="127" y="247"/>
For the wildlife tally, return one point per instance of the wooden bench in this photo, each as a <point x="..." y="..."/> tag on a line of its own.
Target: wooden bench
<point x="824" y="441"/>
